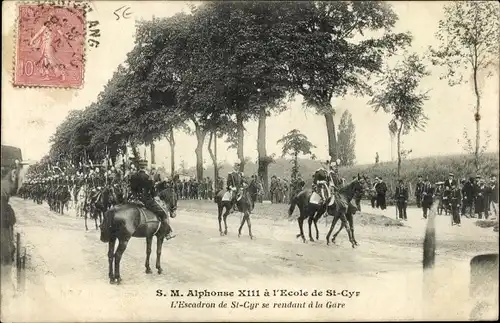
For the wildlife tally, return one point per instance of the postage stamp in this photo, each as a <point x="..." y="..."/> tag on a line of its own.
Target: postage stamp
<point x="50" y="46"/>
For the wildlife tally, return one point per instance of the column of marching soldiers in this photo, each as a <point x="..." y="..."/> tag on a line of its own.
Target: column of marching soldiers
<point x="62" y="184"/>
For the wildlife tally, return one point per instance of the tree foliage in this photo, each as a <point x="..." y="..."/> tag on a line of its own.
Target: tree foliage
<point x="295" y="144"/>
<point x="468" y="37"/>
<point x="399" y="96"/>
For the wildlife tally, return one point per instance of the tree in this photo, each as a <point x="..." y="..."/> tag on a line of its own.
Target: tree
<point x="336" y="63"/>
<point x="399" y="96"/>
<point x="468" y="37"/>
<point x="294" y="144"/>
<point x="346" y="140"/>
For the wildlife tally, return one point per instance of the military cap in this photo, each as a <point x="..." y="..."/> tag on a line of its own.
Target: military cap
<point x="451" y="174"/>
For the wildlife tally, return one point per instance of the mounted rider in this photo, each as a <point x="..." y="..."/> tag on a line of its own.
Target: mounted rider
<point x="234" y="184"/>
<point x="142" y="188"/>
<point x="320" y="182"/>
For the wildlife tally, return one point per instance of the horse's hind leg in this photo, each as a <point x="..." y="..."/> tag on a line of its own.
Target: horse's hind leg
<point x="301" y="224"/>
<point x="149" y="241"/>
<point x="159" y="244"/>
<point x="334" y="222"/>
<point x="95" y="220"/>
<point x="219" y="210"/>
<point x="309" y="223"/>
<point x="122" y="245"/>
<point x="111" y="254"/>
<point x="228" y="209"/>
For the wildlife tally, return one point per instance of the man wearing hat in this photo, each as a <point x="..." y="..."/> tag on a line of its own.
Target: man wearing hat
<point x="468" y="197"/>
<point x="480" y="197"/>
<point x="450" y="182"/>
<point x="142" y="187"/>
<point x="418" y="191"/>
<point x="381" y="193"/>
<point x="401" y="197"/>
<point x="455" y="200"/>
<point x="427" y="197"/>
<point x="373" y="193"/>
<point x="494" y="194"/>
<point x="320" y="179"/>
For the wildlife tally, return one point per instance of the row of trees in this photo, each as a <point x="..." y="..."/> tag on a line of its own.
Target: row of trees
<point x="211" y="71"/>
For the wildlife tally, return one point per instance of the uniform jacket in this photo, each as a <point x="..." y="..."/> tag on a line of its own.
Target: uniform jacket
<point x="141" y="185"/>
<point x="418" y="189"/>
<point x="401" y="194"/>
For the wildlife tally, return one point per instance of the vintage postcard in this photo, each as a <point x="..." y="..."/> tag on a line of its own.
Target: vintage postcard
<point x="249" y="161"/>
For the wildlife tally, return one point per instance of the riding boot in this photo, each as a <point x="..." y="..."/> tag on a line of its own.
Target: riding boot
<point x="169" y="230"/>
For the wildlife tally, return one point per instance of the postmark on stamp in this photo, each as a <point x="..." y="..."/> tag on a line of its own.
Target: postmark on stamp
<point x="50" y="46"/>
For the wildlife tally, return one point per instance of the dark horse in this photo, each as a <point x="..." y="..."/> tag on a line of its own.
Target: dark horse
<point x="245" y="204"/>
<point x="128" y="220"/>
<point x="340" y="207"/>
<point x="102" y="202"/>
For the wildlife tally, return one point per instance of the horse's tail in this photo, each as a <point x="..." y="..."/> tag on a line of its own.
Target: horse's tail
<point x="293" y="202"/>
<point x="106" y="224"/>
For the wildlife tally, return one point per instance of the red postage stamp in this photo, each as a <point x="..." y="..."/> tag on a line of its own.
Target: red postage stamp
<point x="50" y="46"/>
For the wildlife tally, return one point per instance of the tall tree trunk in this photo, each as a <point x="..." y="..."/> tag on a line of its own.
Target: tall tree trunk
<point x="399" y="149"/>
<point x="171" y="141"/>
<point x="200" y="139"/>
<point x="135" y="151"/>
<point x="477" y="118"/>
<point x="295" y="165"/>
<point x="332" y="136"/>
<point x="213" y="155"/>
<point x="241" y="133"/>
<point x="263" y="167"/>
<point x="152" y="152"/>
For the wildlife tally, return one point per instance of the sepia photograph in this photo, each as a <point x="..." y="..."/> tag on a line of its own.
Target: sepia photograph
<point x="249" y="161"/>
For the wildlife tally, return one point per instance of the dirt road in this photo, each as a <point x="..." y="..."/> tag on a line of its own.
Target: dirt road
<point x="67" y="274"/>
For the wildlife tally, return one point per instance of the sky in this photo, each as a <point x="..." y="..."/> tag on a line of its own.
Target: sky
<point x="31" y="115"/>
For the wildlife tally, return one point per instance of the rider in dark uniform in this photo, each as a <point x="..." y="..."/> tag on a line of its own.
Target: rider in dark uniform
<point x="233" y="184"/>
<point x="320" y="178"/>
<point x="142" y="187"/>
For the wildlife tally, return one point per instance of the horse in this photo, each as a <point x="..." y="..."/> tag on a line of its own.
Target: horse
<point x="62" y="197"/>
<point x="127" y="220"/>
<point x="346" y="213"/>
<point x="100" y="204"/>
<point x="245" y="203"/>
<point x="313" y="210"/>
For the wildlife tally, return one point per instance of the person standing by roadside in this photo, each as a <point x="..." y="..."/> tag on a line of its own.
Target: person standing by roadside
<point x="418" y="191"/>
<point x="401" y="197"/>
<point x="480" y="198"/>
<point x="427" y="197"/>
<point x="381" y="194"/>
<point x="455" y="198"/>
<point x="494" y="195"/>
<point x="373" y="193"/>
<point x="468" y="197"/>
